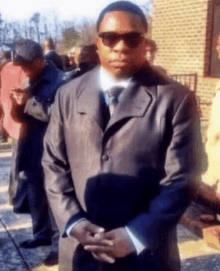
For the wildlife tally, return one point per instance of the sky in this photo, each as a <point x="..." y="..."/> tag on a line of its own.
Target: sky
<point x="65" y="9"/>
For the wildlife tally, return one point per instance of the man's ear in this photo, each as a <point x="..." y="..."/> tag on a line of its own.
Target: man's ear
<point x="97" y="40"/>
<point x="145" y="42"/>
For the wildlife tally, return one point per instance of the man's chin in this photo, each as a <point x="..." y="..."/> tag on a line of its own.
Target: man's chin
<point x="122" y="72"/>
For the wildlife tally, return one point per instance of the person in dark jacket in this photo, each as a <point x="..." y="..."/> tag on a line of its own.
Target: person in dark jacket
<point x="51" y="55"/>
<point x="87" y="59"/>
<point x="31" y="107"/>
<point x="66" y="63"/>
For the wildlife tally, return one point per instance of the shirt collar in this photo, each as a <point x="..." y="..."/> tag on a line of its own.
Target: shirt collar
<point x="107" y="81"/>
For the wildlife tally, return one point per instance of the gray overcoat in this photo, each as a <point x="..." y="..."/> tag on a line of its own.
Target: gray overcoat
<point x="137" y="172"/>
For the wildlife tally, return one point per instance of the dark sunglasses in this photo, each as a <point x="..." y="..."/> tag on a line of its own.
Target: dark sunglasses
<point x="110" y="39"/>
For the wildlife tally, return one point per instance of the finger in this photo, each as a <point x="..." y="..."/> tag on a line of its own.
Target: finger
<point x="94" y="229"/>
<point x="109" y="235"/>
<point x="95" y="248"/>
<point x="90" y="240"/>
<point x="107" y="242"/>
<point x="103" y="257"/>
<point x="107" y="258"/>
<point x="100" y="237"/>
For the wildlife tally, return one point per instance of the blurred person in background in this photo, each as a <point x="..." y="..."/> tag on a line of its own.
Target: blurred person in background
<point x="66" y="63"/>
<point x="87" y="59"/>
<point x="74" y="55"/>
<point x="209" y="191"/>
<point x="151" y="50"/>
<point x="31" y="107"/>
<point x="72" y="59"/>
<point x="5" y="57"/>
<point x="50" y="53"/>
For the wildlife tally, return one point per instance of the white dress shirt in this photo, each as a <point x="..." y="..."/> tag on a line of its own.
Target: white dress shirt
<point x="106" y="81"/>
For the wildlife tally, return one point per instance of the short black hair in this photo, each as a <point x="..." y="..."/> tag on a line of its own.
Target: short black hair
<point x="89" y="54"/>
<point x="126" y="6"/>
<point x="26" y="50"/>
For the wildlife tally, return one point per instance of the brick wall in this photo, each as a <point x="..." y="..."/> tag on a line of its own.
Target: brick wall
<point x="182" y="31"/>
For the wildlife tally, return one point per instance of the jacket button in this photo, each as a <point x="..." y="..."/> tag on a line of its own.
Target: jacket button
<point x="105" y="157"/>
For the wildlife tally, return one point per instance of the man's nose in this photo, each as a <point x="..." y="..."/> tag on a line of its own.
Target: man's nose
<point x="121" y="46"/>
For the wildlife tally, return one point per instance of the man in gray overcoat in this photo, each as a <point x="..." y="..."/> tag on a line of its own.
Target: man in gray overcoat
<point x="121" y="155"/>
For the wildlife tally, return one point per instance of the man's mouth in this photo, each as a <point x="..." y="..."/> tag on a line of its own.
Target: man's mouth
<point x="119" y="63"/>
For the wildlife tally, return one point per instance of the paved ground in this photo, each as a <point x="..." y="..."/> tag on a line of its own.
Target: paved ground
<point x="195" y="254"/>
<point x="15" y="228"/>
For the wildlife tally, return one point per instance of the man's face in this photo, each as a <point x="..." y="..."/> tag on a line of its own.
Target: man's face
<point x="218" y="46"/>
<point x="150" y="54"/>
<point x="75" y="52"/>
<point x="33" y="69"/>
<point x="121" y="59"/>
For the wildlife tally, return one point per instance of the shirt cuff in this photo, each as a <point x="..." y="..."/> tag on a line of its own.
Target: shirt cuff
<point x="68" y="230"/>
<point x="137" y="244"/>
<point x="72" y="220"/>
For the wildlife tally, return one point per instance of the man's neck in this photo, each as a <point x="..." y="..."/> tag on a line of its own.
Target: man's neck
<point x="37" y="75"/>
<point x="114" y="77"/>
<point x="107" y="80"/>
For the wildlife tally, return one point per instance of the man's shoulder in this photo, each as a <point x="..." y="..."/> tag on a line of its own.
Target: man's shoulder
<point x="165" y="87"/>
<point x="174" y="95"/>
<point x="174" y="89"/>
<point x="48" y="83"/>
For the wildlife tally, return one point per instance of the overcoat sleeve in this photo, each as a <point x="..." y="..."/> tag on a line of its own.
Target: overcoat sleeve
<point x="40" y="104"/>
<point x="182" y="165"/>
<point x="38" y="109"/>
<point x="58" y="180"/>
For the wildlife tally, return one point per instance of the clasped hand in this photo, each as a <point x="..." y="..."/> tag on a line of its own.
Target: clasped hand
<point x="104" y="246"/>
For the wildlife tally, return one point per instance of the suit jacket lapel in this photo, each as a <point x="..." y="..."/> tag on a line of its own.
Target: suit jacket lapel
<point x="89" y="99"/>
<point x="134" y="103"/>
<point x="139" y="95"/>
